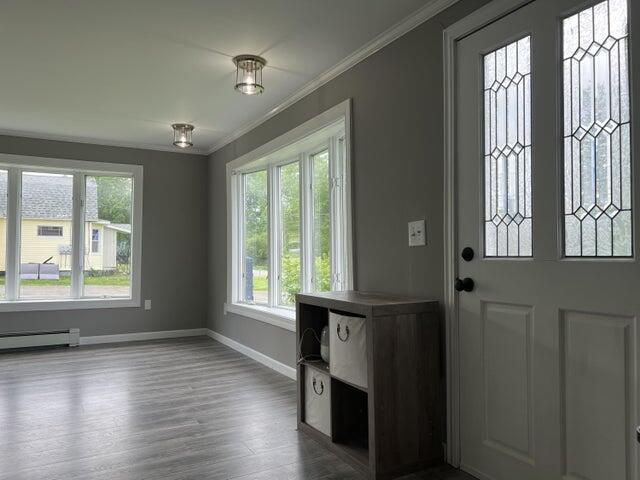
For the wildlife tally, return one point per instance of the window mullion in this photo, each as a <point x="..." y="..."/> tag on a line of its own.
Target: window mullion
<point x="12" y="273"/>
<point x="241" y="240"/>
<point x="240" y="263"/>
<point x="346" y="212"/>
<point x="273" y="225"/>
<point x="335" y="217"/>
<point x="306" y="214"/>
<point x="77" y="242"/>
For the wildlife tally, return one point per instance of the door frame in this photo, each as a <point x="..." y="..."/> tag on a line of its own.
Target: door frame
<point x="476" y="20"/>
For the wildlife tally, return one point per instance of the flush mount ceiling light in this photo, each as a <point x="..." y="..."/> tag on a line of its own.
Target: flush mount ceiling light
<point x="182" y="135"/>
<point x="249" y="74"/>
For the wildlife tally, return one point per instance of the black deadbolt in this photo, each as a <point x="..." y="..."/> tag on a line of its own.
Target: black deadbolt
<point x="467" y="254"/>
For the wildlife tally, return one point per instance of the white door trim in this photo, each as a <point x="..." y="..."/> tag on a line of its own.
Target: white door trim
<point x="476" y="20"/>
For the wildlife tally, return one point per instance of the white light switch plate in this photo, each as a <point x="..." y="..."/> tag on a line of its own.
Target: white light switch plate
<point x="417" y="233"/>
<point x="147" y="304"/>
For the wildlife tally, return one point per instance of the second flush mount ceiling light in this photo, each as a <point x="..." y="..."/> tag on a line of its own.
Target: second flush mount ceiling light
<point x="249" y="74"/>
<point x="248" y="82"/>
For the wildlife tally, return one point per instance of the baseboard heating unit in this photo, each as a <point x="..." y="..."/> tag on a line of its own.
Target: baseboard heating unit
<point x="70" y="337"/>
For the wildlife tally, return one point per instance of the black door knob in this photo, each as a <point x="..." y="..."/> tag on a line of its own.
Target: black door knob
<point x="464" y="285"/>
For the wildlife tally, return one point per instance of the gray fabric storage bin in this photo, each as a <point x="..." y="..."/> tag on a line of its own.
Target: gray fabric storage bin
<point x="348" y="348"/>
<point x="317" y="400"/>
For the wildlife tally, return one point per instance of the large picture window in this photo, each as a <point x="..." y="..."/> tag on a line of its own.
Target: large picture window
<point x="290" y="222"/>
<point x="69" y="234"/>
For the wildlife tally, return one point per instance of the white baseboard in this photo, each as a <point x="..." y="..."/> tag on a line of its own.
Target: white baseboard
<point x="138" y="336"/>
<point x="254" y="354"/>
<point x="194" y="332"/>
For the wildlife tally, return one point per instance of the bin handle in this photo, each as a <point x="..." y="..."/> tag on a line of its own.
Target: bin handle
<point x="321" y="387"/>
<point x="346" y="328"/>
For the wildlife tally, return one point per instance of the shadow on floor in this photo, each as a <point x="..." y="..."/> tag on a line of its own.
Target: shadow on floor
<point x="441" y="472"/>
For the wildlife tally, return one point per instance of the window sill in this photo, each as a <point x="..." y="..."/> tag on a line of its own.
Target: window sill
<point x="280" y="317"/>
<point x="67" y="304"/>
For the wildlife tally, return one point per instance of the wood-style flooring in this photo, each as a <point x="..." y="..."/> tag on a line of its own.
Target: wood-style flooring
<point x="169" y="409"/>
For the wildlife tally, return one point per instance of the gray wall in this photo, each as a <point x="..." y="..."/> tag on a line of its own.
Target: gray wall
<point x="174" y="242"/>
<point x="397" y="175"/>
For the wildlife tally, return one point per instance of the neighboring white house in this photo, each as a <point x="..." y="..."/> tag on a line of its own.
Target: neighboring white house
<point x="47" y="229"/>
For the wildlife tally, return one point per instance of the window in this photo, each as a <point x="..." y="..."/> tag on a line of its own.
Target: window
<point x="45" y="260"/>
<point x="255" y="239"/>
<point x="597" y="133"/>
<point x="507" y="151"/>
<point x="290" y="220"/>
<point x="107" y="218"/>
<point x="290" y="239"/>
<point x="49" y="231"/>
<point x="95" y="240"/>
<point x="279" y="222"/>
<point x="69" y="235"/>
<point x="320" y="187"/>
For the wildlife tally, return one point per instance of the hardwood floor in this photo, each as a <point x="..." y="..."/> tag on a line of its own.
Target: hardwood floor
<point x="168" y="409"/>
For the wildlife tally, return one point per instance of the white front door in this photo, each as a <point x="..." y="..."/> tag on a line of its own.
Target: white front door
<point x="547" y="200"/>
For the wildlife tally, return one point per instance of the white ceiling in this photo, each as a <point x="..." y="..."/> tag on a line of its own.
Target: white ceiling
<point x="121" y="71"/>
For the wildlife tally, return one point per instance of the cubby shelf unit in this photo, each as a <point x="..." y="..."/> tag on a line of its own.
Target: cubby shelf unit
<point x="393" y="425"/>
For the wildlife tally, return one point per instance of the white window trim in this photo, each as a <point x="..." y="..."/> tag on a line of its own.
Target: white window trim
<point x="15" y="165"/>
<point x="282" y="316"/>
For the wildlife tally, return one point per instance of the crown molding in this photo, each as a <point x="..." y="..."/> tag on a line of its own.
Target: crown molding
<point x="101" y="142"/>
<point x="429" y="10"/>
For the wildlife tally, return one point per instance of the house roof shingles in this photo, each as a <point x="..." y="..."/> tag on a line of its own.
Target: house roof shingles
<point x="49" y="197"/>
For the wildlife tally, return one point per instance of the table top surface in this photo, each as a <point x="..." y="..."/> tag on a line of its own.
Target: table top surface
<point x="369" y="299"/>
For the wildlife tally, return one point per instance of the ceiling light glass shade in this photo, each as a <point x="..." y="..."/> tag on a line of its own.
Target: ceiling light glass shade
<point x="182" y="135"/>
<point x="249" y="74"/>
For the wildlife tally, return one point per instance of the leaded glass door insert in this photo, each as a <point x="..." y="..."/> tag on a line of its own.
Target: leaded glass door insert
<point x="507" y="150"/>
<point x="597" y="133"/>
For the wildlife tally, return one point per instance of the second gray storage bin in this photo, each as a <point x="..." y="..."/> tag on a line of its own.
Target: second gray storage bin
<point x="348" y="348"/>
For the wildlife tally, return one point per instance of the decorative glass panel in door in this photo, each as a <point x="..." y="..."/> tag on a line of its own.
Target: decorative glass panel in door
<point x="597" y="133"/>
<point x="507" y="150"/>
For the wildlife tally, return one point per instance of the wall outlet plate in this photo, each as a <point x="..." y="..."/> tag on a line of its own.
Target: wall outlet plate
<point x="147" y="304"/>
<point x="417" y="233"/>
